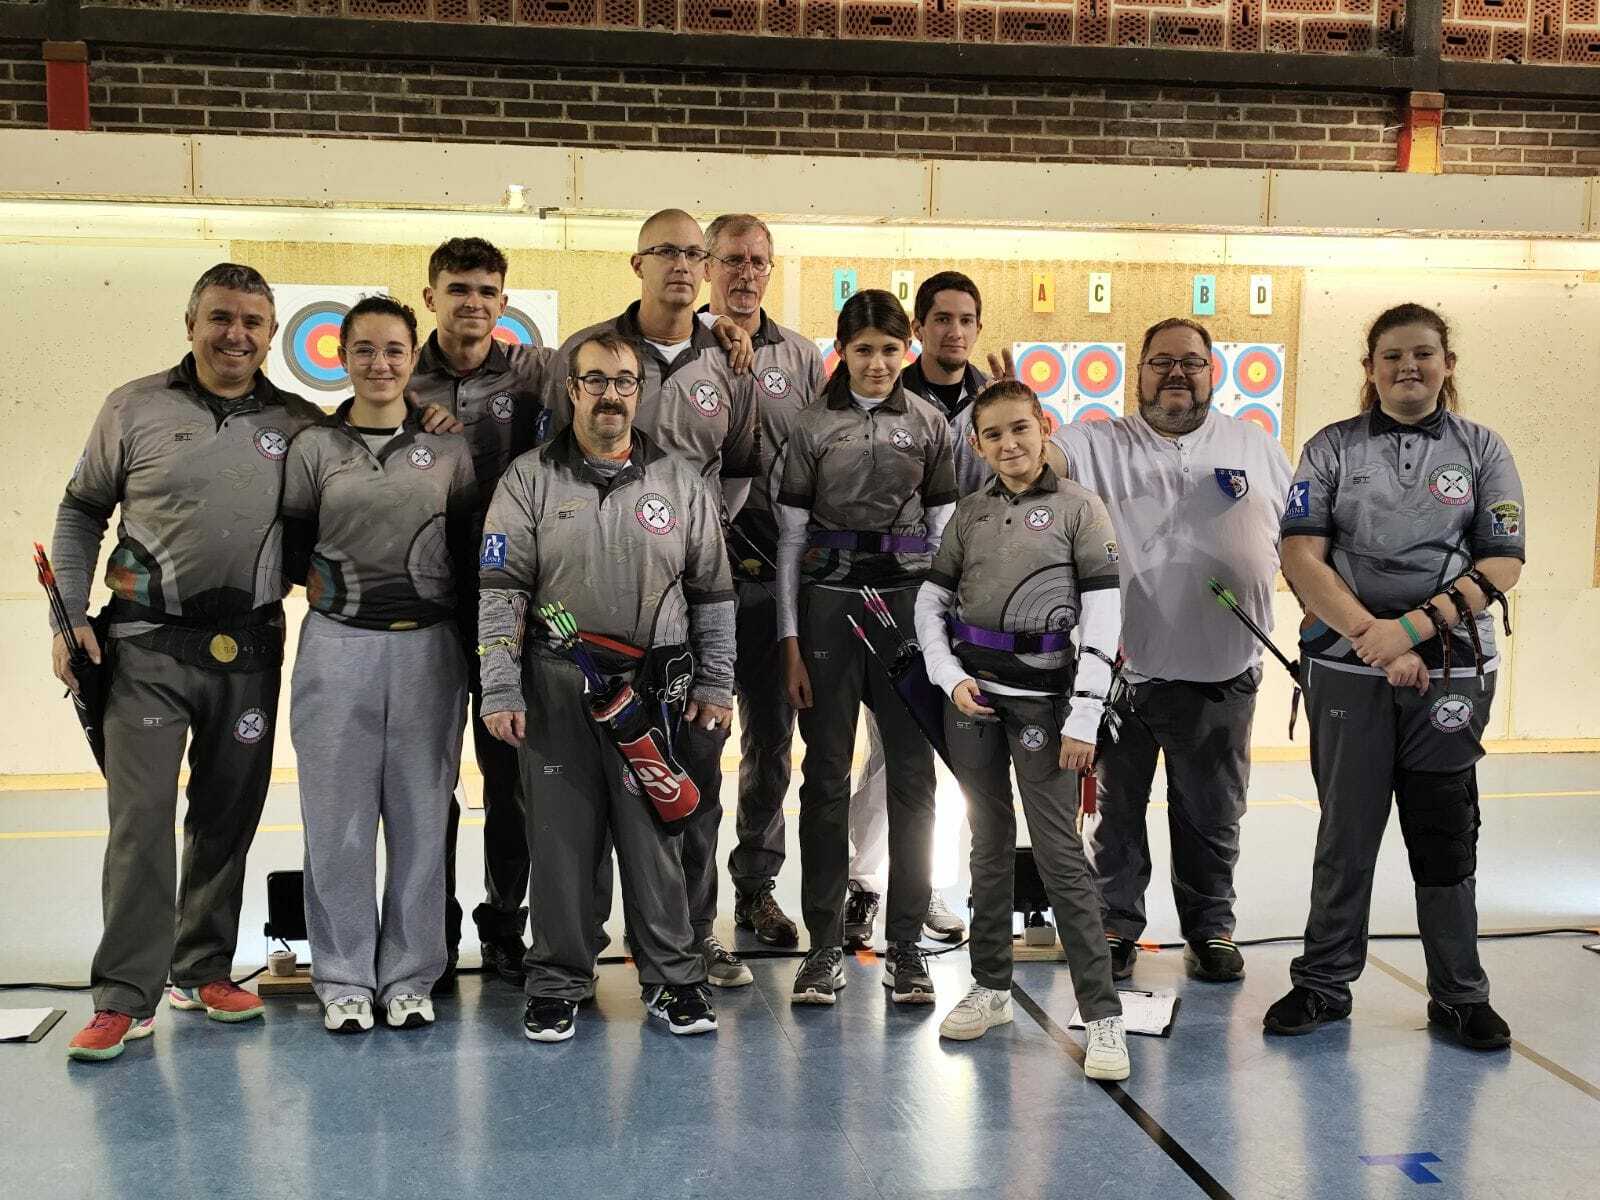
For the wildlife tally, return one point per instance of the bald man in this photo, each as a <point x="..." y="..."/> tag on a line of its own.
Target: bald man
<point x="697" y="402"/>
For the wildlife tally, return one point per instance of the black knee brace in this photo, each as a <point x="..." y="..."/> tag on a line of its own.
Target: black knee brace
<point x="1439" y="818"/>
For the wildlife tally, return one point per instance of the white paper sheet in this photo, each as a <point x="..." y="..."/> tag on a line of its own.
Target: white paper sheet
<point x="18" y="1024"/>
<point x="1149" y="1013"/>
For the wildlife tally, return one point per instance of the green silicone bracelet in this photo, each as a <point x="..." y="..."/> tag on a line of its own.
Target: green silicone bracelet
<point x="1411" y="630"/>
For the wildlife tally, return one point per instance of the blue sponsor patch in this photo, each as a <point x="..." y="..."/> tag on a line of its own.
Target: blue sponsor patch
<point x="494" y="552"/>
<point x="1233" y="482"/>
<point x="1299" y="507"/>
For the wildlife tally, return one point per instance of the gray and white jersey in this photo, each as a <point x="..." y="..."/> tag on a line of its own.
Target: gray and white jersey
<point x="638" y="558"/>
<point x="1186" y="509"/>
<point x="501" y="404"/>
<point x="695" y="406"/>
<point x="198" y="480"/>
<point x="1407" y="510"/>
<point x="1020" y="563"/>
<point x="868" y="472"/>
<point x="395" y="529"/>
<point x="789" y="377"/>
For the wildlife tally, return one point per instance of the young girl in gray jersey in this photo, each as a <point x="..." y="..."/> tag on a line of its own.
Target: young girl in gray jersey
<point x="1403" y="525"/>
<point x="1025" y="558"/>
<point x="380" y="679"/>
<point x="868" y="484"/>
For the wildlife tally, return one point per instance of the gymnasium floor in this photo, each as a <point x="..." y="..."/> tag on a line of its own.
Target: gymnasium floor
<point x="860" y="1101"/>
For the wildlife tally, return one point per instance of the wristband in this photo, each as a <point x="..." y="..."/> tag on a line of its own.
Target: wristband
<point x="496" y="644"/>
<point x="1411" y="630"/>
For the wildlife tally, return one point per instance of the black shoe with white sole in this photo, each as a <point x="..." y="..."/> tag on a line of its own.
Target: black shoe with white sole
<point x="860" y="912"/>
<point x="905" y="969"/>
<point x="819" y="978"/>
<point x="549" y="1019"/>
<point x="1124" y="952"/>
<point x="1215" y="960"/>
<point x="686" y="1008"/>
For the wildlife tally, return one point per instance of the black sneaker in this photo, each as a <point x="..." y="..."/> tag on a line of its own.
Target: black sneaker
<point x="860" y="912"/>
<point x="549" y="1019"/>
<point x="685" y="1008"/>
<point x="1301" y="1011"/>
<point x="1123" y="953"/>
<point x="1475" y="1026"/>
<point x="503" y="957"/>
<point x="1215" y="960"/>
<point x="819" y="978"/>
<point x="905" y="969"/>
<point x="447" y="979"/>
<point x="761" y="915"/>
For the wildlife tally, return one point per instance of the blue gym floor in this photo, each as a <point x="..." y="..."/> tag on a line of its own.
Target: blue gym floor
<point x="863" y="1100"/>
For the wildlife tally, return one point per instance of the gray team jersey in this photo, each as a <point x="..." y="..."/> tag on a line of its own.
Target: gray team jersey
<point x="971" y="471"/>
<point x="1186" y="509"/>
<point x="1407" y="510"/>
<point x="788" y="374"/>
<point x="394" y="530"/>
<point x="868" y="472"/>
<point x="1019" y="563"/>
<point x="501" y="404"/>
<point x="629" y="556"/>
<point x="694" y="406"/>
<point x="198" y="480"/>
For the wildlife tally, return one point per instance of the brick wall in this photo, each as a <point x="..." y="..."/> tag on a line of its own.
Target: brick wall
<point x="770" y="113"/>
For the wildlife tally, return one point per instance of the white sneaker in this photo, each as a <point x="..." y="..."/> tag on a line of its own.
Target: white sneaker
<point x="940" y="923"/>
<point x="409" y="1011"/>
<point x="1107" y="1056"/>
<point x="980" y="1010"/>
<point x="348" y="1014"/>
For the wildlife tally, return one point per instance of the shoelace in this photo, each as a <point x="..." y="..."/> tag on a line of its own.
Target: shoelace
<point x="829" y="958"/>
<point x="978" y="997"/>
<point x="407" y="1003"/>
<point x="909" y="958"/>
<point x="937" y="907"/>
<point x="720" y="952"/>
<point x="105" y="1019"/>
<point x="1101" y="1036"/>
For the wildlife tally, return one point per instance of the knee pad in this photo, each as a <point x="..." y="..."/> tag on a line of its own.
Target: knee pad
<point x="1439" y="817"/>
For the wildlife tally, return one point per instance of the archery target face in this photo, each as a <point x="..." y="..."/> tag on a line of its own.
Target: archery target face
<point x="1097" y="371"/>
<point x="517" y="328"/>
<point x="1219" y="368"/>
<point x="1043" y="367"/>
<point x="1259" y="414"/>
<point x="529" y="320"/>
<point x="1258" y="371"/>
<point x="1251" y="383"/>
<point x="305" y="354"/>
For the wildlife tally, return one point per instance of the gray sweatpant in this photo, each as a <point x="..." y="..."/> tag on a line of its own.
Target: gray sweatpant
<point x="1203" y="729"/>
<point x="1365" y="737"/>
<point x="841" y="680"/>
<point x="982" y="753"/>
<point x="766" y="736"/>
<point x="581" y="799"/>
<point x="154" y="925"/>
<point x="376" y="720"/>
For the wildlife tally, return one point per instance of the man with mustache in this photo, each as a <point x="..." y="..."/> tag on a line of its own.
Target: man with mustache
<point x="1193" y="494"/>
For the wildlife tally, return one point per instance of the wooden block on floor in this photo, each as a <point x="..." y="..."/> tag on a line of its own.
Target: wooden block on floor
<point x="298" y="984"/>
<point x="1022" y="952"/>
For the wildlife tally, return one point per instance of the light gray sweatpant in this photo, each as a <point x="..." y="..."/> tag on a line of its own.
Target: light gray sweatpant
<point x="375" y="716"/>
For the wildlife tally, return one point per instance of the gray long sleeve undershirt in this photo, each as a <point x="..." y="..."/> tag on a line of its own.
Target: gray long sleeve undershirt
<point x="74" y="551"/>
<point x="711" y="636"/>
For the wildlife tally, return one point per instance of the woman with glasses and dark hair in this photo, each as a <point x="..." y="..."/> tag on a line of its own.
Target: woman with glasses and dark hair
<point x="378" y="517"/>
<point x="1404" y="525"/>
<point x="1193" y="495"/>
<point x="868" y="484"/>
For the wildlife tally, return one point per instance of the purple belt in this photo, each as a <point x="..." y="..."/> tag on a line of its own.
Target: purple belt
<point x="876" y="543"/>
<point x="1013" y="643"/>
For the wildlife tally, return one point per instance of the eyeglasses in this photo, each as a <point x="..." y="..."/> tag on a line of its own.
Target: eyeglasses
<point x="1192" y="364"/>
<point x="759" y="267"/>
<point x="365" y="356"/>
<point x="693" y="255"/>
<point x="596" y="383"/>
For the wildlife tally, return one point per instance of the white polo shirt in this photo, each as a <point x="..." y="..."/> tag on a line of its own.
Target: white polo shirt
<point x="1186" y="509"/>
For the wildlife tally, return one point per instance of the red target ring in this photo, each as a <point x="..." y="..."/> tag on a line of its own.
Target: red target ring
<point x="1219" y="368"/>
<point x="1042" y="368"/>
<point x="1096" y="412"/>
<point x="1257" y="371"/>
<point x="1259" y="414"/>
<point x="1097" y="372"/>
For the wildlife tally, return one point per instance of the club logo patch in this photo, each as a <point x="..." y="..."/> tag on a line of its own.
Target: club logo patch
<point x="251" y="726"/>
<point x="629" y="783"/>
<point x="901" y="438"/>
<point x="1039" y="518"/>
<point x="1033" y="738"/>
<point x="1451" y="714"/>
<point x="420" y="457"/>
<point x="503" y="407"/>
<point x="272" y="443"/>
<point x="1111" y="552"/>
<point x="655" y="514"/>
<point x="493" y="555"/>
<point x="706" y="398"/>
<point x="1451" y="484"/>
<point x="774" y="382"/>
<point x="1298" y="507"/>
<point x="1507" y="518"/>
<point x="1233" y="482"/>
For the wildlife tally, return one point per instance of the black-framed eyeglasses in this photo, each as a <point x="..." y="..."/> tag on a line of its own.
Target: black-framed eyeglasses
<point x="596" y="383"/>
<point x="693" y="255"/>
<point x="1192" y="364"/>
<point x="759" y="267"/>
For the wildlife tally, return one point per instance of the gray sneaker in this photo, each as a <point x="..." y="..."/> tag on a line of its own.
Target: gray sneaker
<point x="941" y="924"/>
<point x="723" y="967"/>
<point x="820" y="976"/>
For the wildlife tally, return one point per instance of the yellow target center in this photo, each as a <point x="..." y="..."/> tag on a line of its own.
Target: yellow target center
<point x="1097" y="372"/>
<point x="1039" y="371"/>
<point x="1257" y="372"/>
<point x="328" y="346"/>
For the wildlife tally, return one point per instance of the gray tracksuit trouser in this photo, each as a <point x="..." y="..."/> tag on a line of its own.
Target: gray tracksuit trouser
<point x="155" y="925"/>
<point x="766" y="738"/>
<point x="1366" y="737"/>
<point x="982" y="753"/>
<point x="376" y="721"/>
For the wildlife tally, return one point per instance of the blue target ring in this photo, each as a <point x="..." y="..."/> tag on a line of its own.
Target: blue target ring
<point x="1259" y="414"/>
<point x="517" y="328"/>
<point x="311" y="345"/>
<point x="1096" y="412"/>
<point x="1097" y="372"/>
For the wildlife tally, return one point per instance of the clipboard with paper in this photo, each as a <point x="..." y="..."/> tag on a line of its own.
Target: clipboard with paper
<point x="1147" y="1013"/>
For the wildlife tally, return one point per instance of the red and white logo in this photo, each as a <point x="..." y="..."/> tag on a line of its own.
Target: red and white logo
<point x="420" y="457"/>
<point x="272" y="443"/>
<point x="1451" y="484"/>
<point x="655" y="514"/>
<point x="1039" y="518"/>
<point x="774" y="382"/>
<point x="706" y="398"/>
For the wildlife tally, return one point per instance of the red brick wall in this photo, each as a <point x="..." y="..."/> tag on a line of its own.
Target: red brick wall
<point x="771" y="113"/>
